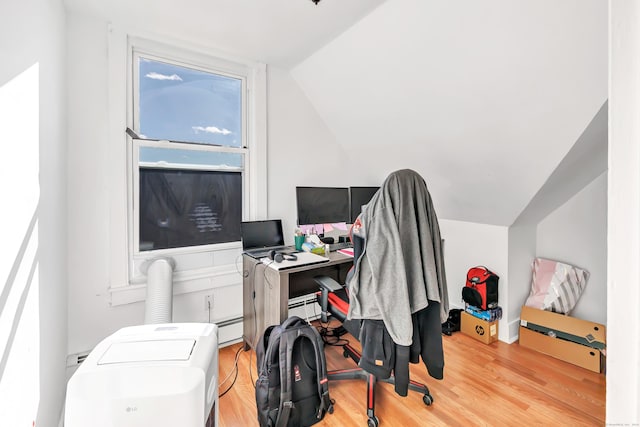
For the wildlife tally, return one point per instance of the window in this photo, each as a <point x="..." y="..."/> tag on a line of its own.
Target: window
<point x="196" y="169"/>
<point x="188" y="162"/>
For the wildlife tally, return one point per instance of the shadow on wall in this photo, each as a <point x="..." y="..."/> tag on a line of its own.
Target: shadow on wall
<point x="20" y="309"/>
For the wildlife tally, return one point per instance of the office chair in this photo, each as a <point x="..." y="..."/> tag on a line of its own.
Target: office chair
<point x="334" y="301"/>
<point x="397" y="285"/>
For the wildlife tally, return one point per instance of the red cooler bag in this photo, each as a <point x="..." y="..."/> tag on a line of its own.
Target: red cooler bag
<point x="481" y="289"/>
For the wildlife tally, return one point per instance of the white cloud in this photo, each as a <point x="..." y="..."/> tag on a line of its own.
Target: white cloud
<point x="211" y="129"/>
<point x="158" y="76"/>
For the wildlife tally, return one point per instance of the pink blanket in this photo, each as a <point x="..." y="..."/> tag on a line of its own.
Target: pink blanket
<point x="556" y="286"/>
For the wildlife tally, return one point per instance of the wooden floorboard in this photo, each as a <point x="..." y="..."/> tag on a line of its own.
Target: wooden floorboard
<point x="484" y="385"/>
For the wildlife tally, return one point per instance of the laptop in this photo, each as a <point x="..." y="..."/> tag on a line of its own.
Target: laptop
<point x="261" y="237"/>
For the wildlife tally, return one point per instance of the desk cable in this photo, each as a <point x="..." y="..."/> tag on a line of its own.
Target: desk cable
<point x="250" y="274"/>
<point x="234" y="371"/>
<point x="238" y="258"/>
<point x="235" y="368"/>
<point x="330" y="336"/>
<point x="264" y="272"/>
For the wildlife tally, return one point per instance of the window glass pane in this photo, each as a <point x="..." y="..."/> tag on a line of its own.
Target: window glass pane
<point x="190" y="157"/>
<point x="184" y="104"/>
<point x="181" y="208"/>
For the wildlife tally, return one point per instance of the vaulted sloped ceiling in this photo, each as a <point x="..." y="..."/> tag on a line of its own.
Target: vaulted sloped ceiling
<point x="483" y="98"/>
<point x="276" y="32"/>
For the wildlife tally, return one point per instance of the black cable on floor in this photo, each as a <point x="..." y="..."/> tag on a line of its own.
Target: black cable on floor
<point x="331" y="336"/>
<point x="235" y="368"/>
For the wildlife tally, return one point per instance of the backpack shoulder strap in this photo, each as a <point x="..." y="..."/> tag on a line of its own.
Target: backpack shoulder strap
<point x="287" y="340"/>
<point x="270" y="346"/>
<point x="263" y="345"/>
<point x="323" y="382"/>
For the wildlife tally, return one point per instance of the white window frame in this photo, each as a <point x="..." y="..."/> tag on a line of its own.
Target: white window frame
<point x="199" y="267"/>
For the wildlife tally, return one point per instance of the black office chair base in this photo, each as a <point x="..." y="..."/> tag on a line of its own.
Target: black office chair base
<point x="361" y="374"/>
<point x="330" y="290"/>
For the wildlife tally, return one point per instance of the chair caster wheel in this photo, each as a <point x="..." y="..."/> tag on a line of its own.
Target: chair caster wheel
<point x="427" y="399"/>
<point x="373" y="422"/>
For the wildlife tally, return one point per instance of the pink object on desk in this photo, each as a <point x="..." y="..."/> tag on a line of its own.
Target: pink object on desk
<point x="312" y="228"/>
<point x="346" y="251"/>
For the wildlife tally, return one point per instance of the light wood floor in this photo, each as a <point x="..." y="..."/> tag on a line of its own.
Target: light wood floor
<point x="484" y="385"/>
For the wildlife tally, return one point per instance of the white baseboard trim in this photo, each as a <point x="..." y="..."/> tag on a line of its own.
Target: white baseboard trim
<point x="513" y="328"/>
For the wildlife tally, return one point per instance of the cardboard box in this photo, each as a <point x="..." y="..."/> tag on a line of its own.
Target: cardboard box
<point x="566" y="338"/>
<point x="483" y="331"/>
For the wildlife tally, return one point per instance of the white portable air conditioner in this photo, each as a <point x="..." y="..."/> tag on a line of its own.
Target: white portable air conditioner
<point x="162" y="375"/>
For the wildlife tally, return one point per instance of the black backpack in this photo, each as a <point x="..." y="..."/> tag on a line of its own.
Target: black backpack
<point x="292" y="387"/>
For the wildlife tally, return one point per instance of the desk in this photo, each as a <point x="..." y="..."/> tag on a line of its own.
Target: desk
<point x="266" y="291"/>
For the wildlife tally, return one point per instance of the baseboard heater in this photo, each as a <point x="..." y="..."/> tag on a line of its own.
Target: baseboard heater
<point x="304" y="307"/>
<point x="229" y="322"/>
<point x="298" y="304"/>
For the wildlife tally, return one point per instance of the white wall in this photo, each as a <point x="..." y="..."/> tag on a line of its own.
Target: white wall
<point x="522" y="251"/>
<point x="33" y="329"/>
<point x="576" y="233"/>
<point x="301" y="152"/>
<point x="623" y="297"/>
<point x="90" y="318"/>
<point x="467" y="245"/>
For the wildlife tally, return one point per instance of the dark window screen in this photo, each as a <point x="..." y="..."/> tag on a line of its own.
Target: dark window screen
<point x="262" y="234"/>
<point x="322" y="205"/>
<point x="180" y="208"/>
<point x="360" y="196"/>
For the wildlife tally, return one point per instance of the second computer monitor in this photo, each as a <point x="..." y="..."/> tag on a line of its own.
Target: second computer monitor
<point x="322" y="205"/>
<point x="360" y="196"/>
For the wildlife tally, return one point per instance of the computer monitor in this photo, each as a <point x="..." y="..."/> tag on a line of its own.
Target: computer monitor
<point x="322" y="205"/>
<point x="261" y="234"/>
<point x="360" y="196"/>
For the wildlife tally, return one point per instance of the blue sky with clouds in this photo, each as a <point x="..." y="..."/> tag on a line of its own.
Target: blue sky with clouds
<point x="185" y="104"/>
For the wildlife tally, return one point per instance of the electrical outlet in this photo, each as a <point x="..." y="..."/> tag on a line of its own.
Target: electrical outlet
<point x="208" y="302"/>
